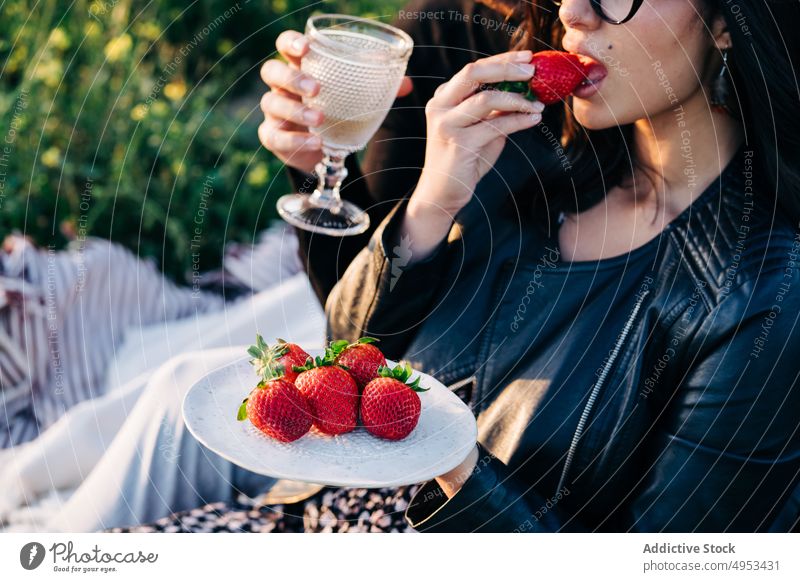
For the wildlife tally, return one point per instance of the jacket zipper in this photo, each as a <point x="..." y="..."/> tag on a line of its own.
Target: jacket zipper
<point x="598" y="385"/>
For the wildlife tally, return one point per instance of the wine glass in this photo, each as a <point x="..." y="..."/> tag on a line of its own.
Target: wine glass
<point x="359" y="64"/>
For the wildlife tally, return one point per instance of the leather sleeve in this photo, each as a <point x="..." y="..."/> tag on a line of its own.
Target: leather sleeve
<point x="725" y="456"/>
<point x="385" y="294"/>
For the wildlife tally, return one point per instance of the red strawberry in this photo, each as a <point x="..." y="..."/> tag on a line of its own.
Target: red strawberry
<point x="390" y="406"/>
<point x="277" y="409"/>
<point x="361" y="359"/>
<point x="277" y="361"/>
<point x="557" y="75"/>
<point x="331" y="393"/>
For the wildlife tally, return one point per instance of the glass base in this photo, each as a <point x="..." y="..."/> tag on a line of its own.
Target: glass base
<point x="345" y="220"/>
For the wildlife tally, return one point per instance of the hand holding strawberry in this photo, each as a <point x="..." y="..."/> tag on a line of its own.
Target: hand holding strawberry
<point x="558" y="75"/>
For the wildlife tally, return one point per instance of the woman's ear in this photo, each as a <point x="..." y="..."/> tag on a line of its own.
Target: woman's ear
<point x="720" y="34"/>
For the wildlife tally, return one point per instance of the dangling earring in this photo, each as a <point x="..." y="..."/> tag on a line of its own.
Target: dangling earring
<point x="721" y="88"/>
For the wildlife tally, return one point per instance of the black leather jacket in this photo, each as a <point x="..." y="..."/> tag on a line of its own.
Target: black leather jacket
<point x="691" y="423"/>
<point x="706" y="441"/>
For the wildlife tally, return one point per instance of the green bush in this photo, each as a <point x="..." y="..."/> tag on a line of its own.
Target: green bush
<point x="136" y="122"/>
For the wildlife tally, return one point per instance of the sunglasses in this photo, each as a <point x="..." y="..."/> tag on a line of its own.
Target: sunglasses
<point x="614" y="11"/>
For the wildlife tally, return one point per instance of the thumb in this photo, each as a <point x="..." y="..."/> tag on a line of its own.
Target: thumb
<point x="406" y="87"/>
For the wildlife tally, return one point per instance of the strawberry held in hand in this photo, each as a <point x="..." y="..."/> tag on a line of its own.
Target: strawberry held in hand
<point x="390" y="406"/>
<point x="331" y="393"/>
<point x="361" y="359"/>
<point x="557" y="75"/>
<point x="278" y="360"/>
<point x="277" y="409"/>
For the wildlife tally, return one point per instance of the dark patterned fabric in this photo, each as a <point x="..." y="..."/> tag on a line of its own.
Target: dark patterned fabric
<point x="330" y="510"/>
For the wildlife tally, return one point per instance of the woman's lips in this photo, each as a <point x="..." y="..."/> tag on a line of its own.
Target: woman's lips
<point x="595" y="73"/>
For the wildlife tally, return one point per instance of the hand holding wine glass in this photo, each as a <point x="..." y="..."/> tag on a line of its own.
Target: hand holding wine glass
<point x="359" y="65"/>
<point x="285" y="129"/>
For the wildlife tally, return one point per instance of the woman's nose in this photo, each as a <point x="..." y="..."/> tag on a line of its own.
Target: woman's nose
<point x="578" y="14"/>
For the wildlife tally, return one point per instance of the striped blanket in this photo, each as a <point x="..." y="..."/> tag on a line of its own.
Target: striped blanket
<point x="62" y="314"/>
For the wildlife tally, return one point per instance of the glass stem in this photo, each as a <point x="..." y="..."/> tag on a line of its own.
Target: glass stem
<point x="331" y="172"/>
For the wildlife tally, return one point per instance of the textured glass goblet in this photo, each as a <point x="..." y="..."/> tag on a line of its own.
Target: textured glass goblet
<point x="359" y="64"/>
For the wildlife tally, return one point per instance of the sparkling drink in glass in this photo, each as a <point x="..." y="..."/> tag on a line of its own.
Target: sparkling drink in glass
<point x="359" y="64"/>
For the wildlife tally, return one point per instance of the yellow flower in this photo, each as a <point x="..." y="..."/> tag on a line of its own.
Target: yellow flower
<point x="49" y="72"/>
<point x="91" y="29"/>
<point x="17" y="58"/>
<point x="175" y="90"/>
<point x="225" y="46"/>
<point x="139" y="112"/>
<point x="259" y="175"/>
<point x="59" y="39"/>
<point x="51" y="157"/>
<point x="118" y="47"/>
<point x="148" y="30"/>
<point x="159" y="108"/>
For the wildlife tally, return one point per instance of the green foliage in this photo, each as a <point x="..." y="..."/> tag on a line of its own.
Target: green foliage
<point x="137" y="122"/>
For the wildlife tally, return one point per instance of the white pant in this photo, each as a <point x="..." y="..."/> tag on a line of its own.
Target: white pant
<point x="128" y="455"/>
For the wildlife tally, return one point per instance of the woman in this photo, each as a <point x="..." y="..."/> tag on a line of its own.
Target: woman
<point x="610" y="316"/>
<point x="629" y="333"/>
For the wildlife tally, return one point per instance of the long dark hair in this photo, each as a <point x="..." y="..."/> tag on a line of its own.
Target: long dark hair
<point x="765" y="96"/>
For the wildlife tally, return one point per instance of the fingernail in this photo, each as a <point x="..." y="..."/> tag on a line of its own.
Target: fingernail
<point x="310" y="116"/>
<point x="527" y="70"/>
<point x="538" y="106"/>
<point x="298" y="44"/>
<point x="307" y="85"/>
<point x="523" y="56"/>
<point x="535" y="117"/>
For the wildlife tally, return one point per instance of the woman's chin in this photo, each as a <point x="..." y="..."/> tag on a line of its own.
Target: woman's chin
<point x="592" y="115"/>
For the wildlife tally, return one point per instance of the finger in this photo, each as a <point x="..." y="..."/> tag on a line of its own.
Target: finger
<point x="279" y="75"/>
<point x="512" y="66"/>
<point x="287" y="142"/>
<point x="281" y="107"/>
<point x="503" y="125"/>
<point x="406" y="87"/>
<point x="292" y="45"/>
<point x="480" y="106"/>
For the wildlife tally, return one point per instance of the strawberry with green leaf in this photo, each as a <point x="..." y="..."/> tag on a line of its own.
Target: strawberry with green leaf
<point x="556" y="76"/>
<point x="360" y="358"/>
<point x="278" y="360"/>
<point x="331" y="393"/>
<point x="277" y="409"/>
<point x="390" y="405"/>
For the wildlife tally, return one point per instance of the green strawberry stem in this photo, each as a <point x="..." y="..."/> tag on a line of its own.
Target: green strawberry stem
<point x="265" y="356"/>
<point x="338" y="346"/>
<point x="521" y="87"/>
<point x="402" y="372"/>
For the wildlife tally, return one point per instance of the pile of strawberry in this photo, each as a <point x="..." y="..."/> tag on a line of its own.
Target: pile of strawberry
<point x="330" y="392"/>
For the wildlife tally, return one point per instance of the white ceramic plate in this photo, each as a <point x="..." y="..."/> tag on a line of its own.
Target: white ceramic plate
<point x="444" y="436"/>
